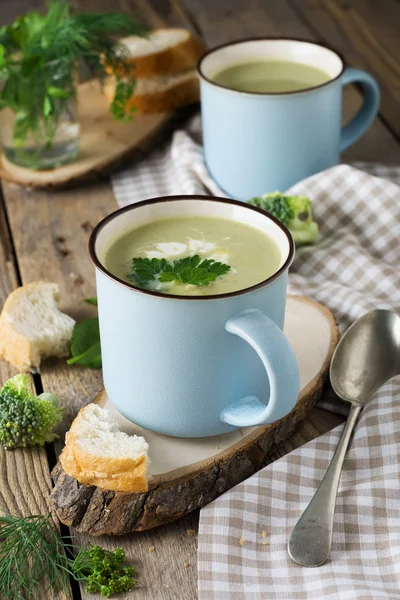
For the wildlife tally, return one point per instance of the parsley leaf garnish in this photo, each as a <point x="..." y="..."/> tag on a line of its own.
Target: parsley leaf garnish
<point x="146" y="269"/>
<point x="189" y="270"/>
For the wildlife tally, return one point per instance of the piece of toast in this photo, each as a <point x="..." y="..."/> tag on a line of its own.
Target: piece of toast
<point x="161" y="94"/>
<point x="32" y="327"/>
<point x="167" y="51"/>
<point x="97" y="453"/>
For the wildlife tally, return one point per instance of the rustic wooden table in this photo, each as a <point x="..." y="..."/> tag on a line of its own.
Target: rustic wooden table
<point x="45" y="235"/>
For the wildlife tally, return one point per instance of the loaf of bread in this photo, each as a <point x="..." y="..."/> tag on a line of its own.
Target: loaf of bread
<point x="161" y="94"/>
<point x="167" y="51"/>
<point x="32" y="327"/>
<point x="163" y="65"/>
<point x="97" y="453"/>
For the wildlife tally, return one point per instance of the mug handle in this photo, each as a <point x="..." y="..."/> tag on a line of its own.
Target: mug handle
<point x="368" y="111"/>
<point x="271" y="345"/>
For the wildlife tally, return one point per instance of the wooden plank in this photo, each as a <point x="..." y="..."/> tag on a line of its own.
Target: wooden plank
<point x="154" y="14"/>
<point x="11" y="9"/>
<point x="51" y="232"/>
<point x="220" y="23"/>
<point x="367" y="34"/>
<point x="25" y="482"/>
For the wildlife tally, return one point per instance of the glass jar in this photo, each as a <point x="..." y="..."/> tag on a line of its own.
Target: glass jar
<point x="42" y="132"/>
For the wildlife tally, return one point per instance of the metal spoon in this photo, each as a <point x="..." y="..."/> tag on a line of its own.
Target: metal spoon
<point x="367" y="356"/>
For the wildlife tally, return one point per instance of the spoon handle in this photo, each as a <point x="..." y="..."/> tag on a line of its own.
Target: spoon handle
<point x="311" y="539"/>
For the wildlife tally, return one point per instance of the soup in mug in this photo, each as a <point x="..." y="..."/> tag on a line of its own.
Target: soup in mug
<point x="270" y="76"/>
<point x="222" y="256"/>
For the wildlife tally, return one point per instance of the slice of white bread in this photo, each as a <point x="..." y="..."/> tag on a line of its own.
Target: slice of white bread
<point x="160" y="94"/>
<point x="97" y="453"/>
<point x="32" y="327"/>
<point x="163" y="51"/>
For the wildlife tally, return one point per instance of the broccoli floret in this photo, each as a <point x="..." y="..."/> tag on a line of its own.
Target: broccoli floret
<point x="25" y="419"/>
<point x="293" y="211"/>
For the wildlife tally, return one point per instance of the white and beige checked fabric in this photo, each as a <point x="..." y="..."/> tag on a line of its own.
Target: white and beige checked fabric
<point x="365" y="558"/>
<point x="354" y="267"/>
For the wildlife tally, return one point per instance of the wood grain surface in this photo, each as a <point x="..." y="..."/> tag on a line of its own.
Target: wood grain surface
<point x="25" y="481"/>
<point x="49" y="233"/>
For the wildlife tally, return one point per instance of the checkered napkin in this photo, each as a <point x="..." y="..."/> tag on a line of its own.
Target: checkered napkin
<point x="354" y="267"/>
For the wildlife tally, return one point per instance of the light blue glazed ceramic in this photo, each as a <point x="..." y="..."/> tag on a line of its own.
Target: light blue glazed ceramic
<point x="257" y="142"/>
<point x="192" y="366"/>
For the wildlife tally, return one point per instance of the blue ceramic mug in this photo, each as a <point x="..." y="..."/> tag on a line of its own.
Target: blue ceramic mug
<point x="259" y="142"/>
<point x="195" y="366"/>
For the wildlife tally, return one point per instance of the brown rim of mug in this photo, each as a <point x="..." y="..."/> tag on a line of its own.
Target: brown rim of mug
<point x="112" y="216"/>
<point x="266" y="39"/>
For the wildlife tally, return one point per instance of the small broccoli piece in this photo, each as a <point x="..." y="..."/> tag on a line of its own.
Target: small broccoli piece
<point x="293" y="211"/>
<point x="25" y="419"/>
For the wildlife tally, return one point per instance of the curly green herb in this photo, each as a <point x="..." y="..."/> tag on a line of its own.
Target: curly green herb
<point x="190" y="270"/>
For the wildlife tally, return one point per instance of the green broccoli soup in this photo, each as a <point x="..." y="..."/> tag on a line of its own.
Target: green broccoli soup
<point x="193" y="256"/>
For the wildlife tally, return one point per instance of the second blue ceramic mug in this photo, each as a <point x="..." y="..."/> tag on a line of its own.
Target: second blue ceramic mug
<point x="255" y="143"/>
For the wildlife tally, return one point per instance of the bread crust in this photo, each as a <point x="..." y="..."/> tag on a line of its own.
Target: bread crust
<point x="14" y="347"/>
<point x="117" y="474"/>
<point x="175" y="59"/>
<point x="175" y="96"/>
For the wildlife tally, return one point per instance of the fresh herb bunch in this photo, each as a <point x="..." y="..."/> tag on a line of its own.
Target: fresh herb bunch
<point x="38" y="60"/>
<point x="103" y="571"/>
<point x="31" y="553"/>
<point x="33" y="557"/>
<point x="189" y="270"/>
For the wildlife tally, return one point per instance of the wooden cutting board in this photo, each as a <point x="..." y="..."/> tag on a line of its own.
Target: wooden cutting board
<point x="188" y="473"/>
<point x="105" y="145"/>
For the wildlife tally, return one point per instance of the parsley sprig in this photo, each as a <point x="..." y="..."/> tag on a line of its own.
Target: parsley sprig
<point x="189" y="270"/>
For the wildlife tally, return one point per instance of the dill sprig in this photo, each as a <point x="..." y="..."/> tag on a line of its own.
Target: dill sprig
<point x="38" y="60"/>
<point x="33" y="558"/>
<point x="31" y="554"/>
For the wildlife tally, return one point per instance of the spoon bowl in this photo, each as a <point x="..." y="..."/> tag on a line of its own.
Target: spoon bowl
<point x="367" y="356"/>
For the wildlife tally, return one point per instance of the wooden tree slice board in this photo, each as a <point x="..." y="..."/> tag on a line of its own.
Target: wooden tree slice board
<point x="188" y="473"/>
<point x="105" y="144"/>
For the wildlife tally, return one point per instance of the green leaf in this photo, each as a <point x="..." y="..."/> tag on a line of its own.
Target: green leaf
<point x="91" y="358"/>
<point x="91" y="301"/>
<point x="19" y="32"/>
<point x="29" y="64"/>
<point x="123" y="93"/>
<point x="58" y="92"/>
<point x="85" y="345"/>
<point x="47" y="106"/>
<point x="21" y="127"/>
<point x="146" y="269"/>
